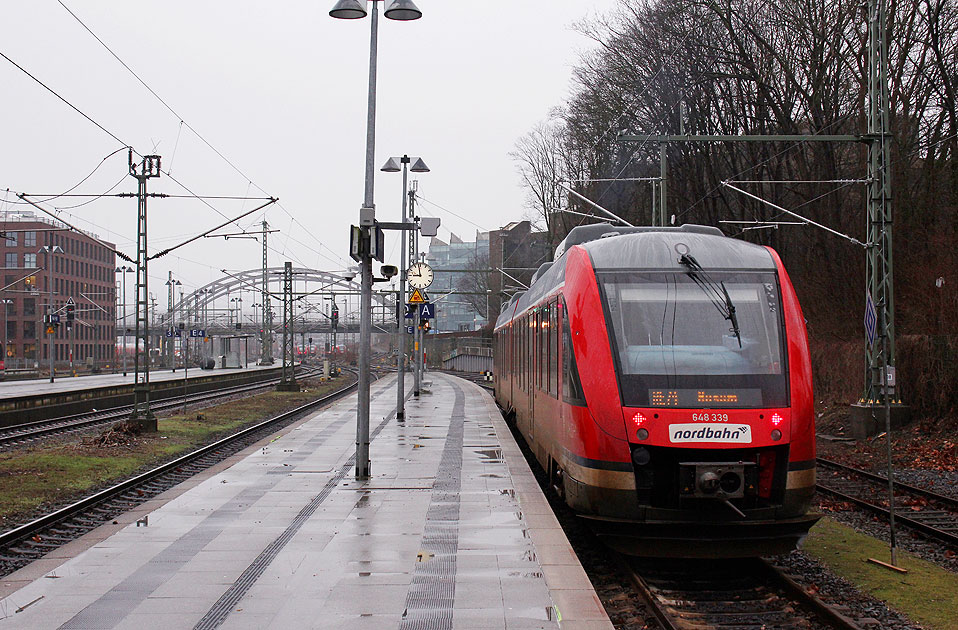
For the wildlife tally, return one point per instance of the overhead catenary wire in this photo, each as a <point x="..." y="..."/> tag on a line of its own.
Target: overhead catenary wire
<point x="183" y="122"/>
<point x="795" y="214"/>
<point x="72" y="227"/>
<point x="842" y="187"/>
<point x="68" y="103"/>
<point x="102" y="128"/>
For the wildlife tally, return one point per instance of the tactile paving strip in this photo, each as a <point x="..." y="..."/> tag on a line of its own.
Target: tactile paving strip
<point x="227" y="602"/>
<point x="114" y="605"/>
<point x="429" y="602"/>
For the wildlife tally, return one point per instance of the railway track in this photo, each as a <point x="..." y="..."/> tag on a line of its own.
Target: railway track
<point x="744" y="594"/>
<point x="30" y="541"/>
<point x="22" y="434"/>
<point x="932" y="514"/>
<point x="478" y="379"/>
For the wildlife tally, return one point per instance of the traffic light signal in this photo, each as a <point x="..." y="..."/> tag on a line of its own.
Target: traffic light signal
<point x="71" y="312"/>
<point x="334" y="316"/>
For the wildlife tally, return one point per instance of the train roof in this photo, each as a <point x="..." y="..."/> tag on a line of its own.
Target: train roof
<point x="660" y="249"/>
<point x="613" y="248"/>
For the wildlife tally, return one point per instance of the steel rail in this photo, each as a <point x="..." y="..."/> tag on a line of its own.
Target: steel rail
<point x="924" y="528"/>
<point x="777" y="580"/>
<point x="27" y="530"/>
<point x="75" y="422"/>
<point x="928" y="494"/>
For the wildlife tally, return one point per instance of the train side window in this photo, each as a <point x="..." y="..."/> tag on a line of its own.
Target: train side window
<point x="517" y="331"/>
<point x="553" y="351"/>
<point x="525" y="354"/>
<point x="571" y="385"/>
<point x="530" y="350"/>
<point x="543" y="348"/>
<point x="523" y="359"/>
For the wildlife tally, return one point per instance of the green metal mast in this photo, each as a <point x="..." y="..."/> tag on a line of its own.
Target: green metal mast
<point x="879" y="356"/>
<point x="266" y="352"/>
<point x="142" y="416"/>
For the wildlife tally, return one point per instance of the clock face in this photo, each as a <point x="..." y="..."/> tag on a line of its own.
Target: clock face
<point x="419" y="275"/>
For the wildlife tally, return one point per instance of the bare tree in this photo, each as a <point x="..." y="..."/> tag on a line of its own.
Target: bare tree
<point x="766" y="67"/>
<point x="539" y="159"/>
<point x="475" y="284"/>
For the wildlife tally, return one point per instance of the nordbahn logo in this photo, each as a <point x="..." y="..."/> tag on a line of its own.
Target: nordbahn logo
<point x="698" y="432"/>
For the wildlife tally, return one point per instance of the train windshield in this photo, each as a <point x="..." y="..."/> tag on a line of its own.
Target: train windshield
<point x="677" y="347"/>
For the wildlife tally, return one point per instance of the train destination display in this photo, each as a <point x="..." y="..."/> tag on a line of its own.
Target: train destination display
<point x="685" y="398"/>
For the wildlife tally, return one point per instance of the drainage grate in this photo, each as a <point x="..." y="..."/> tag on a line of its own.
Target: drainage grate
<point x="222" y="608"/>
<point x="111" y="608"/>
<point x="216" y="615"/>
<point x="430" y="598"/>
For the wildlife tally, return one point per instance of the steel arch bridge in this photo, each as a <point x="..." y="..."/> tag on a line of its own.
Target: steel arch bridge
<point x="201" y="302"/>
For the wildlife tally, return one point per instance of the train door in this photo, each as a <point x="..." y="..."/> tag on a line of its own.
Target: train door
<point x="533" y="373"/>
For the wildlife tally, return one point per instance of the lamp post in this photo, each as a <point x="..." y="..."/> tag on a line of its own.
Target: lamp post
<point x="47" y="250"/>
<point x="124" y="270"/>
<point x="402" y="10"/>
<point x="392" y="166"/>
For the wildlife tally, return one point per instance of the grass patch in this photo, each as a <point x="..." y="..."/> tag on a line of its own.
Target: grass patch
<point x="927" y="594"/>
<point x="37" y="479"/>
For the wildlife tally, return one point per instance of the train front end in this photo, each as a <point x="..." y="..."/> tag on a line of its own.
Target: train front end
<point x="711" y="360"/>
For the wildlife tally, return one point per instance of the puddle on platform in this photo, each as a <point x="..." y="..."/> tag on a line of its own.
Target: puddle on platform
<point x="492" y="455"/>
<point x="526" y="574"/>
<point x="492" y="475"/>
<point x="363" y="501"/>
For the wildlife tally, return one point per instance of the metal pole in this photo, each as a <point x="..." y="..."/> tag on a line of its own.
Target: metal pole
<point x="142" y="416"/>
<point x="663" y="183"/>
<point x="126" y="270"/>
<point x="50" y="338"/>
<point x="288" y="377"/>
<point x="186" y="370"/>
<point x="879" y="269"/>
<point x="891" y="472"/>
<point x="366" y="264"/>
<point x="266" y="353"/>
<point x="417" y="330"/>
<point x="401" y="328"/>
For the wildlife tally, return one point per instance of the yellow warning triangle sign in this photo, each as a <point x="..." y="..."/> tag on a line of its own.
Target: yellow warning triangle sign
<point x="50" y="330"/>
<point x="417" y="297"/>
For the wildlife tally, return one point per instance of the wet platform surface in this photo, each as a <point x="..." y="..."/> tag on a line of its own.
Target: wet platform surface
<point x="451" y="531"/>
<point x="65" y="383"/>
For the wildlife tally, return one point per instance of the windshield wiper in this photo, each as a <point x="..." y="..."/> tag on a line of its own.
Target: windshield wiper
<point x="721" y="300"/>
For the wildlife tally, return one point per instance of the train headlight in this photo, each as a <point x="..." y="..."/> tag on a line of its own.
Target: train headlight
<point x="776" y="435"/>
<point x="642" y="434"/>
<point x="730" y="482"/>
<point x="641" y="456"/>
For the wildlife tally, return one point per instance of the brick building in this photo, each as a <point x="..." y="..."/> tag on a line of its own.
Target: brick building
<point x="84" y="270"/>
<point x="519" y="251"/>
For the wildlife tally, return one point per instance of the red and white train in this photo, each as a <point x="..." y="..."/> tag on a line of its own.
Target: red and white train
<point x="662" y="378"/>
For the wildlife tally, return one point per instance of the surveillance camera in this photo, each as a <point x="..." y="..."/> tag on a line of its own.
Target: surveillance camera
<point x="349" y="275"/>
<point x="388" y="271"/>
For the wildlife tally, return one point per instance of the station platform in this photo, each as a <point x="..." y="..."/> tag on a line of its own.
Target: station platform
<point x="66" y="383"/>
<point x="451" y="531"/>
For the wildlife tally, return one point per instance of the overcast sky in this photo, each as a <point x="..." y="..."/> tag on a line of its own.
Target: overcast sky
<point x="279" y="88"/>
